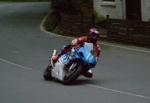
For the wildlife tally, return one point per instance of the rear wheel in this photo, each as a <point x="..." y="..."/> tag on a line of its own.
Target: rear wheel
<point x="72" y="72"/>
<point x="47" y="73"/>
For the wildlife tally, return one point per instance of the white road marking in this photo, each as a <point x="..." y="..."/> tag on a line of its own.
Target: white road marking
<point x="117" y="91"/>
<point x="51" y="33"/>
<point x="128" y="48"/>
<point x="104" y="43"/>
<point x="15" y="64"/>
<point x="90" y="85"/>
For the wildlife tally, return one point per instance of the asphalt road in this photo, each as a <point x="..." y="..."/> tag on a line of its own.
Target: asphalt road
<point x="121" y="76"/>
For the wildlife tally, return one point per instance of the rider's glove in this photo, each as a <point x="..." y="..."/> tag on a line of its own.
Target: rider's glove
<point x="55" y="57"/>
<point x="74" y="42"/>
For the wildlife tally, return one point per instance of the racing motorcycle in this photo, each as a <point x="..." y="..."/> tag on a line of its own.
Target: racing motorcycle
<point x="71" y="64"/>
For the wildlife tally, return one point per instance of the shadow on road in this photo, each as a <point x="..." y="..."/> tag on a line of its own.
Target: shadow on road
<point x="85" y="81"/>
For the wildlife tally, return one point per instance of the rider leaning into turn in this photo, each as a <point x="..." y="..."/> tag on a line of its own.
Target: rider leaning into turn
<point x="91" y="38"/>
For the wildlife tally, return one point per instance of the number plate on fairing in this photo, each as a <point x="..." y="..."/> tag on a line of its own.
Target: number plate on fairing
<point x="64" y="59"/>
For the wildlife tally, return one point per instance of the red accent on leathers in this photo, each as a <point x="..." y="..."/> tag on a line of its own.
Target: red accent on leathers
<point x="81" y="40"/>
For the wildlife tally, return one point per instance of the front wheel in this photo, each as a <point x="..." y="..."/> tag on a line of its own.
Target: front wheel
<point x="47" y="73"/>
<point x="72" y="72"/>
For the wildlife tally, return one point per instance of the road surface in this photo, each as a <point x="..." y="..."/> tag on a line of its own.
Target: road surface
<point x="122" y="75"/>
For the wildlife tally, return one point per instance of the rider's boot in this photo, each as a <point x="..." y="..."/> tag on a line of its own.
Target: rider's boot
<point x="88" y="74"/>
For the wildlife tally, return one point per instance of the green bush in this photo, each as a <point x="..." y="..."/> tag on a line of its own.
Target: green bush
<point x="98" y="18"/>
<point x="22" y="0"/>
<point x="84" y="8"/>
<point x="56" y="30"/>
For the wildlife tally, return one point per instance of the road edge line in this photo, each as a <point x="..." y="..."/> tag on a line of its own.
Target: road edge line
<point x="104" y="43"/>
<point x="118" y="91"/>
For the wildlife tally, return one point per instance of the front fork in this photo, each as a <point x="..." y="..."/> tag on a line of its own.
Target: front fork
<point x="51" y="63"/>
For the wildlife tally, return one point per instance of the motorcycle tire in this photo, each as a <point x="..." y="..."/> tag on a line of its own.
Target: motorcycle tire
<point x="73" y="75"/>
<point x="47" y="73"/>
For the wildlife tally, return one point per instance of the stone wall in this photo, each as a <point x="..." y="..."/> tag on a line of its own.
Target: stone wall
<point x="76" y="24"/>
<point x="74" y="20"/>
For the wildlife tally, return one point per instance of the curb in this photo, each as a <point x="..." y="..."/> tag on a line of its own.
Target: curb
<point x="133" y="48"/>
<point x="50" y="33"/>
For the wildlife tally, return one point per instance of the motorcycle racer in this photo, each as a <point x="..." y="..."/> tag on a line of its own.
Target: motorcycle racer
<point x="92" y="37"/>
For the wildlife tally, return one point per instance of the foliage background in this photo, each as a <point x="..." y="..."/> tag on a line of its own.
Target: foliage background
<point x="21" y="0"/>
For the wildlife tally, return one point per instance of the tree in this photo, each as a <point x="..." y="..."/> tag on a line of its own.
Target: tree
<point x="82" y="8"/>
